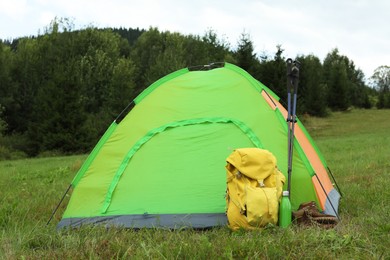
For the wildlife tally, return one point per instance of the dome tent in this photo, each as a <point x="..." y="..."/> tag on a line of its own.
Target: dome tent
<point x="162" y="164"/>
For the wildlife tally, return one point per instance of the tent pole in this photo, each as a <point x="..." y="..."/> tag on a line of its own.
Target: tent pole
<point x="119" y="118"/>
<point x="55" y="210"/>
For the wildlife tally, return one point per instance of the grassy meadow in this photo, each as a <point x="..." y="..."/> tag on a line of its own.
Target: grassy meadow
<point x="356" y="145"/>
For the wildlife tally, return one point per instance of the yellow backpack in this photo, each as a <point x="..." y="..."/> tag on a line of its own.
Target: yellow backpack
<point x="254" y="188"/>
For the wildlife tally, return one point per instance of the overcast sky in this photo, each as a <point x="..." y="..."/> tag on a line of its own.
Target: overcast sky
<point x="360" y="29"/>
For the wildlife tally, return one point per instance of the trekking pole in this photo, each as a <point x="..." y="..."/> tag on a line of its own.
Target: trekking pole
<point x="292" y="80"/>
<point x="285" y="203"/>
<point x="289" y="120"/>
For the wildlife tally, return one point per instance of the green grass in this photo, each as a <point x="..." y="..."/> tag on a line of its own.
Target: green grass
<point x="356" y="145"/>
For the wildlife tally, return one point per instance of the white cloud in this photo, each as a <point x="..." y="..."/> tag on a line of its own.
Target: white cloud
<point x="13" y="9"/>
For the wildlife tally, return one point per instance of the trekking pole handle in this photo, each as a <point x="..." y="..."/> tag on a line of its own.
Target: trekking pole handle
<point x="292" y="72"/>
<point x="295" y="73"/>
<point x="289" y="62"/>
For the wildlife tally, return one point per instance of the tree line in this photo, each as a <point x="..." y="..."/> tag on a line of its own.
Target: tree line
<point x="60" y="90"/>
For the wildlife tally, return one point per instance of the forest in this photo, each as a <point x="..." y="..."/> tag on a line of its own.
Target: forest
<point x="61" y="89"/>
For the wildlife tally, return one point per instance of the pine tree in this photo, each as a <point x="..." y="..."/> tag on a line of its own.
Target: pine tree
<point x="312" y="90"/>
<point x="245" y="56"/>
<point x="336" y="79"/>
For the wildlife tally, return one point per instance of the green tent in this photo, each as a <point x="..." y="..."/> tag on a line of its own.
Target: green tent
<point x="163" y="163"/>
